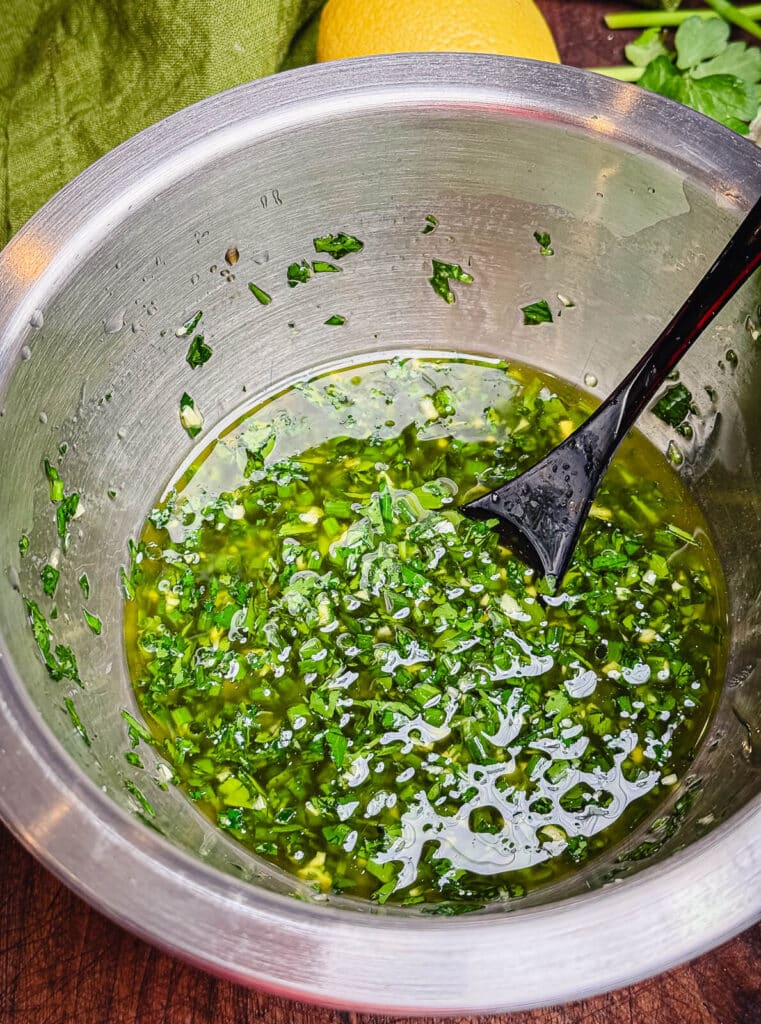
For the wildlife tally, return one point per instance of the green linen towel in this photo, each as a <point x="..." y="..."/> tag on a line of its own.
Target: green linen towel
<point x="77" y="77"/>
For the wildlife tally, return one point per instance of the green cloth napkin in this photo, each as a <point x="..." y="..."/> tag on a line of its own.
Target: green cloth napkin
<point x="77" y="77"/>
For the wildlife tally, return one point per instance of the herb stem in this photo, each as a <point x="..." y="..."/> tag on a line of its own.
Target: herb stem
<point x="621" y="72"/>
<point x="670" y="19"/>
<point x="736" y="16"/>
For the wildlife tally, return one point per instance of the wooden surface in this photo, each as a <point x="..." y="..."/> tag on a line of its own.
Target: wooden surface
<point x="63" y="963"/>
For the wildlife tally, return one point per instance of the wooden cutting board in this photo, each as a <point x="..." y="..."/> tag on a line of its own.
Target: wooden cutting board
<point x="63" y="963"/>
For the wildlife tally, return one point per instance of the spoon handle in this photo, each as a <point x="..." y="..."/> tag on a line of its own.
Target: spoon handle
<point x="733" y="266"/>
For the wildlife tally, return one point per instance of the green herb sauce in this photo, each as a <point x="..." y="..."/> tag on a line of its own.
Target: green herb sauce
<point x="372" y="691"/>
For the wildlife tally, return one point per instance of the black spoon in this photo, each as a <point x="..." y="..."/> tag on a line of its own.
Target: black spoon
<point x="545" y="508"/>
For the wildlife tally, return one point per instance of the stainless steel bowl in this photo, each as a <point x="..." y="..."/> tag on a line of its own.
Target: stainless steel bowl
<point x="638" y="194"/>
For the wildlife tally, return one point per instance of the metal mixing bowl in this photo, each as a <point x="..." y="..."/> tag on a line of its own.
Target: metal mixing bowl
<point x="639" y="195"/>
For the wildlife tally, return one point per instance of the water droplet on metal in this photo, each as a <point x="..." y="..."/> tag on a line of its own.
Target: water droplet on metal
<point x="194" y="279"/>
<point x="114" y="323"/>
<point x="26" y="353"/>
<point x="43" y="417"/>
<point x="590" y="380"/>
<point x="13" y="578"/>
<point x="37" y="320"/>
<point x="121" y="434"/>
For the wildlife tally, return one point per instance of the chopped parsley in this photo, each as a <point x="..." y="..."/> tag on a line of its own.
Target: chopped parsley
<point x="198" y="352"/>
<point x="537" y="313"/>
<point x="674" y="406"/>
<point x="190" y="418"/>
<point x="298" y="273"/>
<point x="443" y="273"/>
<point x="55" y="481"/>
<point x="544" y="242"/>
<point x="59" y="660"/>
<point x="189" y="326"/>
<point x="338" y="245"/>
<point x="431" y="223"/>
<point x="336" y="320"/>
<point x="23" y="544"/>
<point x="84" y="585"/>
<point x="96" y="626"/>
<point x="321" y="267"/>
<point x="76" y="721"/>
<point x="49" y="577"/>
<point x="259" y="294"/>
<point x="64" y="515"/>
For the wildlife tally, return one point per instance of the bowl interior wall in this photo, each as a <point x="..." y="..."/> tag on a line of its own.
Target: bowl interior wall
<point x="631" y="236"/>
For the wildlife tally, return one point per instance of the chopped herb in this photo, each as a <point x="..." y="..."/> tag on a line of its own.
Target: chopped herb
<point x="544" y="242"/>
<point x="681" y="534"/>
<point x="338" y="245"/>
<point x="443" y="273"/>
<point x="76" y="721"/>
<point x="60" y="663"/>
<point x="23" y="544"/>
<point x="189" y="326"/>
<point x="336" y="320"/>
<point x="259" y="294"/>
<point x="431" y="223"/>
<point x="64" y="515"/>
<point x="537" y="313"/>
<point x="84" y="584"/>
<point x="321" y="267"/>
<point x="138" y="795"/>
<point x="49" y="577"/>
<point x="198" y="352"/>
<point x="136" y="730"/>
<point x="56" y="483"/>
<point x="93" y="622"/>
<point x="298" y="273"/>
<point x="674" y="406"/>
<point x="134" y="759"/>
<point x="190" y="418"/>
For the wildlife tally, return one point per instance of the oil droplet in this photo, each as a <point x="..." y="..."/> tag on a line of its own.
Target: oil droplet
<point x="43" y="417"/>
<point x="590" y="380"/>
<point x="674" y="455"/>
<point x="36" y="320"/>
<point x="114" y="323"/>
<point x="194" y="279"/>
<point x="232" y="256"/>
<point x="731" y="357"/>
<point x="121" y="433"/>
<point x="26" y="353"/>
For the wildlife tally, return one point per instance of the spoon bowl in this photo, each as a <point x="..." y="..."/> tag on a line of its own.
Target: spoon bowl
<point x="545" y="507"/>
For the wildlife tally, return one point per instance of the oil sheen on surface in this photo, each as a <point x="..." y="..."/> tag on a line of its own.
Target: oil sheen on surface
<point x="368" y="689"/>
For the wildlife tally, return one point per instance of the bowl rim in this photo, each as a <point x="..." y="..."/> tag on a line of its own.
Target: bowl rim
<point x="697" y="898"/>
